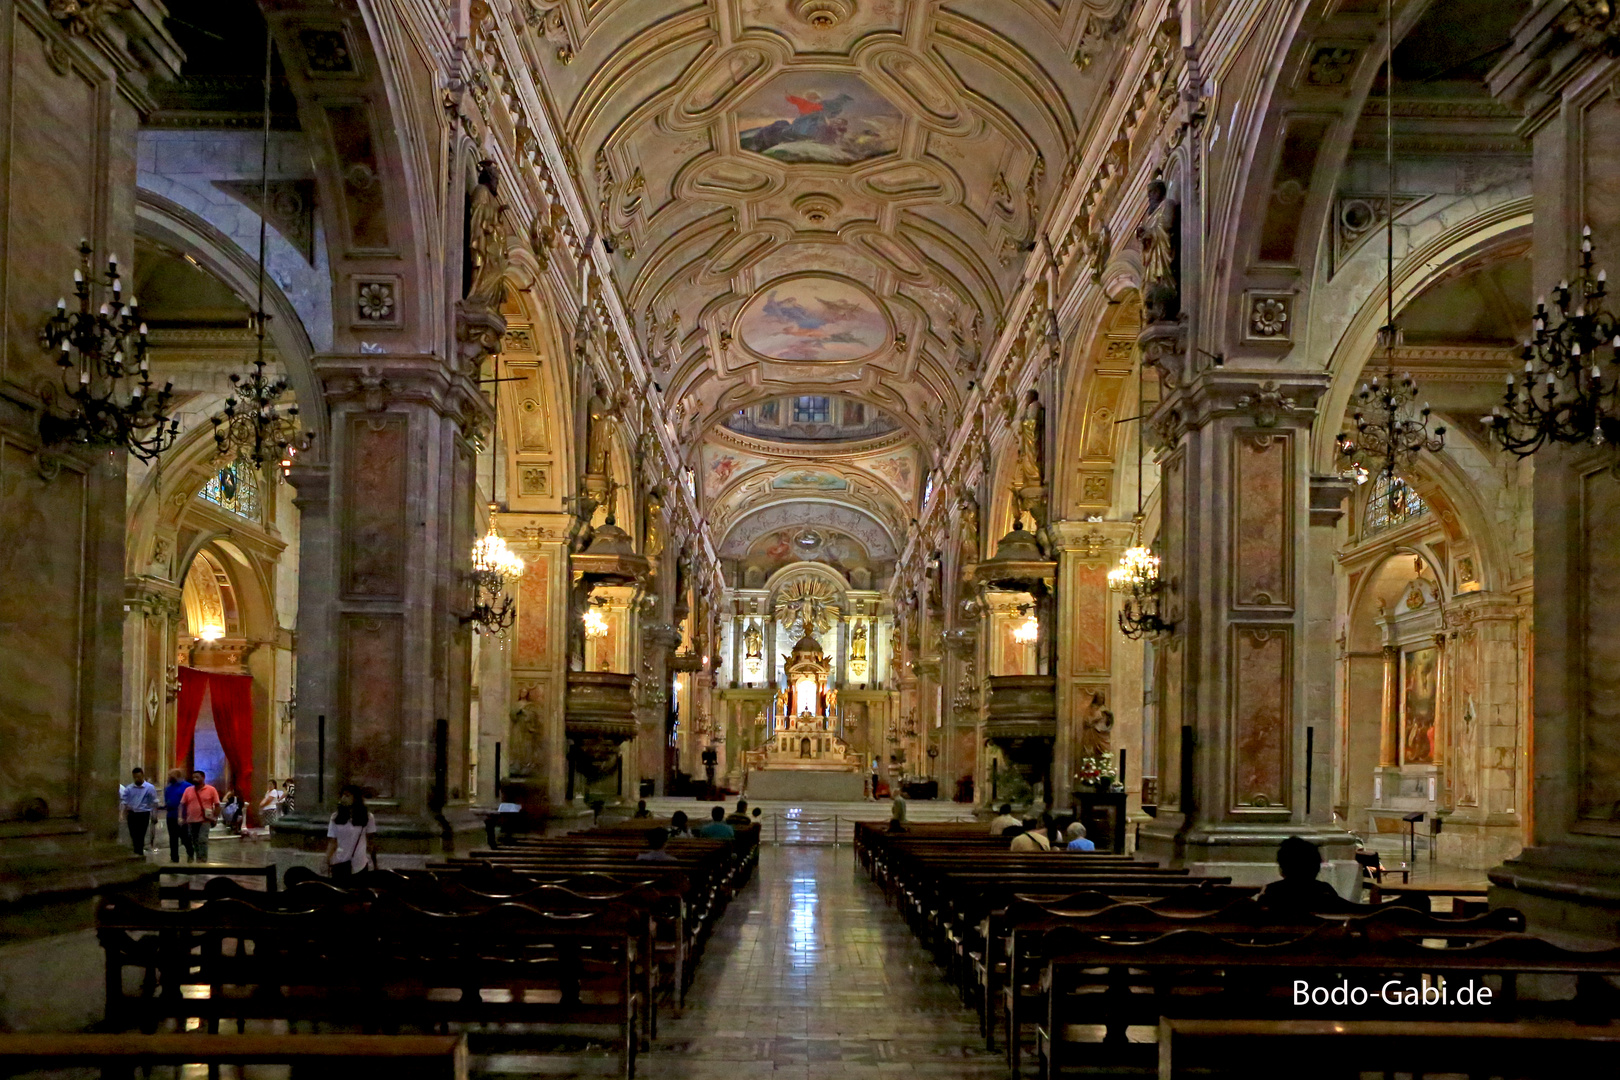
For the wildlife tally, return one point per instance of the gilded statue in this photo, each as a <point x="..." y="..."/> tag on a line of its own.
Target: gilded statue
<point x="967" y="527"/>
<point x="857" y="642"/>
<point x="486" y="241"/>
<point x="1160" y="236"/>
<point x="1031" y="440"/>
<point x="653" y="539"/>
<point x="604" y="407"/>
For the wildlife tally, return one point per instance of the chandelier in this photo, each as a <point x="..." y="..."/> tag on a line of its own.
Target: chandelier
<point x="105" y="373"/>
<point x="595" y="625"/>
<point x="255" y="426"/>
<point x="1136" y="578"/>
<point x="494" y="567"/>
<point x="1390" y="429"/>
<point x="1563" y="398"/>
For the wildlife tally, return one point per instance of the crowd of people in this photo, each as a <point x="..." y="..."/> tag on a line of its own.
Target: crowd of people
<point x="1041" y="833"/>
<point x="190" y="808"/>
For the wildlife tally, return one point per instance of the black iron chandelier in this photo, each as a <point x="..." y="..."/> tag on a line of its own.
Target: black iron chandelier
<point x="256" y="427"/>
<point x="1136" y="578"/>
<point x="1564" y="397"/>
<point x="1391" y="429"/>
<point x="110" y="402"/>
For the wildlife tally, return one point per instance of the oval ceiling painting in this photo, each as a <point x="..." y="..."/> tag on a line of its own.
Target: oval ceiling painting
<point x="814" y="318"/>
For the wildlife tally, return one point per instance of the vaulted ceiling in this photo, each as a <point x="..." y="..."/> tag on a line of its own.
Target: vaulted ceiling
<point x="826" y="197"/>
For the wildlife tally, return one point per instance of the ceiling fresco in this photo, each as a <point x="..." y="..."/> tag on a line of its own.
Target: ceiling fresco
<point x="818" y="118"/>
<point x="815" y="318"/>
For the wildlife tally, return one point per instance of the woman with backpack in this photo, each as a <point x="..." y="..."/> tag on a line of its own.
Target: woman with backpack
<point x="348" y="849"/>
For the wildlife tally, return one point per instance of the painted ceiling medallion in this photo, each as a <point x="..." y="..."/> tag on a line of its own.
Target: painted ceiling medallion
<point x="815" y="318"/>
<point x="823" y="14"/>
<point x="818" y="118"/>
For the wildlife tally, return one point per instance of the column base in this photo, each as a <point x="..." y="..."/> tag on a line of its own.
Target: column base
<point x="1247" y="853"/>
<point x="1565" y="891"/>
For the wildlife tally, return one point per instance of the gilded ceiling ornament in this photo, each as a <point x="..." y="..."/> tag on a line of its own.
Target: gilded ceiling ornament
<point x="84" y="16"/>
<point x="806" y="604"/>
<point x="1595" y="24"/>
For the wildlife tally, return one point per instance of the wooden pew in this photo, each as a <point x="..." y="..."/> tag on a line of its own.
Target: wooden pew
<point x="1348" y="1049"/>
<point x="403" y="1057"/>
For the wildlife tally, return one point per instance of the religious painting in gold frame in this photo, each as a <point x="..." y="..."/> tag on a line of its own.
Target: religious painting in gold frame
<point x="1420" y="670"/>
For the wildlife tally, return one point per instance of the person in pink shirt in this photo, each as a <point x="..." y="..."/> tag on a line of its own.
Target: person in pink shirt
<point x="199" y="809"/>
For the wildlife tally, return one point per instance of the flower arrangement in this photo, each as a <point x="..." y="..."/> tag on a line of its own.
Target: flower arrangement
<point x="1099" y="771"/>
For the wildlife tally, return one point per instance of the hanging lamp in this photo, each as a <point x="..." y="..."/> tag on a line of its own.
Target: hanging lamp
<point x="1391" y="430"/>
<point x="494" y="565"/>
<point x="1136" y="577"/>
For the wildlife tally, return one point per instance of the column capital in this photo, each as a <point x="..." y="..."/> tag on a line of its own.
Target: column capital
<point x="371" y="382"/>
<point x="1091" y="539"/>
<point x="1281" y="398"/>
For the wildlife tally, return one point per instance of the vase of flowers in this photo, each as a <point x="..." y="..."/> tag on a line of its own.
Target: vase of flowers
<point x="1099" y="772"/>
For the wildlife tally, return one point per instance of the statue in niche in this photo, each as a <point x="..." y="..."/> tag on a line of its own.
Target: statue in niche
<point x="525" y="752"/>
<point x="967" y="524"/>
<point x="1160" y="236"/>
<point x="1031" y="440"/>
<point x="486" y="241"/>
<point x="1096" y="726"/>
<point x="857" y="643"/>
<point x="604" y="410"/>
<point x="652" y="544"/>
<point x="753" y="639"/>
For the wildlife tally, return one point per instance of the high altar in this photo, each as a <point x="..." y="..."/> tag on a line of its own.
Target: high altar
<point x="804" y="759"/>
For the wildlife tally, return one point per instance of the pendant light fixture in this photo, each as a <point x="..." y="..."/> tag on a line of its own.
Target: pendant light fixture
<point x="494" y="565"/>
<point x="255" y="427"/>
<point x="1390" y="429"/>
<point x="1136" y="578"/>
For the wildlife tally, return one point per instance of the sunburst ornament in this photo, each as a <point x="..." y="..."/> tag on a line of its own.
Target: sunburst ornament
<point x="808" y="604"/>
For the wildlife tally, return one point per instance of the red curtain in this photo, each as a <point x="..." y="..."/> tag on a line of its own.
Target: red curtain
<point x="193" y="687"/>
<point x="231" y="697"/>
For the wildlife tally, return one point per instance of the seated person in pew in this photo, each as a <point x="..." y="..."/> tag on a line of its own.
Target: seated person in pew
<point x="1299" y="861"/>
<point x="717" y="829"/>
<point x="897" y="815"/>
<point x="1076" y="837"/>
<point x="1032" y="837"/>
<point x="641" y="809"/>
<point x="1005" y="820"/>
<point x="738" y="816"/>
<point x="656" y="839"/>
<point x="678" y="826"/>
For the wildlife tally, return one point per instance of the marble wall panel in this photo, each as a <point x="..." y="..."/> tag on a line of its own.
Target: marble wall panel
<point x="1089" y="609"/>
<point x="1600" y="588"/>
<point x="1261" y="693"/>
<point x="534" y="614"/>
<point x="374" y="503"/>
<point x="373" y="655"/>
<point x="41" y="605"/>
<point x="1262" y="540"/>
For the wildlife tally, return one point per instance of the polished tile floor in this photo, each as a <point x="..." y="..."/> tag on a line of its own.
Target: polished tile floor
<point x="809" y="976"/>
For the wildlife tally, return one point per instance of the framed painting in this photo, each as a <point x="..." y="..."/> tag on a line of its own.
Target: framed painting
<point x="1420" y="669"/>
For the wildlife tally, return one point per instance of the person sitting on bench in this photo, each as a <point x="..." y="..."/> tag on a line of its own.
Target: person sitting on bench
<point x="1076" y="837"/>
<point x="1299" y="861"/>
<point x="656" y="839"/>
<point x="1032" y="838"/>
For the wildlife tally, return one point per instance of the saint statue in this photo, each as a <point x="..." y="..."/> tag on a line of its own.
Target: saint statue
<point x="967" y="527"/>
<point x="524" y="741"/>
<point x="604" y="408"/>
<point x="1096" y="727"/>
<point x="653" y="539"/>
<point x="486" y="241"/>
<point x="1160" y="236"/>
<point x="753" y="639"/>
<point x="782" y="701"/>
<point x="1031" y="440"/>
<point x="857" y="643"/>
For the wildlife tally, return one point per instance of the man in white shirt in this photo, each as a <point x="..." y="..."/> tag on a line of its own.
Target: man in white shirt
<point x="1033" y="838"/>
<point x="1004" y="821"/>
<point x="136" y="801"/>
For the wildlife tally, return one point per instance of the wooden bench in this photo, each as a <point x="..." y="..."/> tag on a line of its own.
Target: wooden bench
<point x="407" y="1057"/>
<point x="1349" y="1049"/>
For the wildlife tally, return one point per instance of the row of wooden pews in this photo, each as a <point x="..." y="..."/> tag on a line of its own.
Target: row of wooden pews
<point x="1090" y="953"/>
<point x="568" y="933"/>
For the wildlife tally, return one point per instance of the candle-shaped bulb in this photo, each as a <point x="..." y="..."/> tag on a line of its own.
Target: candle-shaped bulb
<point x="78" y="277"/>
<point x="112" y="261"/>
<point x="104" y="309"/>
<point x="1603" y="275"/>
<point x="1575" y="349"/>
<point x="143" y="330"/>
<point x="84" y="377"/>
<point x="61" y="303"/>
<point x="1586" y="230"/>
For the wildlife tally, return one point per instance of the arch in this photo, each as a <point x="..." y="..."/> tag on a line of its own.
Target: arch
<point x="173" y="226"/>
<point x="794" y="571"/>
<point x="1419" y="267"/>
<point x="750" y="526"/>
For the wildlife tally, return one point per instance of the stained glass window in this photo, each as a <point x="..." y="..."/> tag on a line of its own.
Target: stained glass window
<point x="1391" y="503"/>
<point x="234" y="488"/>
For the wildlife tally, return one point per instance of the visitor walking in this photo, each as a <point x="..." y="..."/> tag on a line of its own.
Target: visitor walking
<point x="136" y="803"/>
<point x="199" y="809"/>
<point x="172" y="793"/>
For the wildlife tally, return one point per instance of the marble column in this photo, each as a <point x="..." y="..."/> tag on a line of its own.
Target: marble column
<point x="73" y="103"/>
<point x="387" y="528"/>
<point x="152" y="616"/>
<point x="1236" y="504"/>
<point x="1562" y="75"/>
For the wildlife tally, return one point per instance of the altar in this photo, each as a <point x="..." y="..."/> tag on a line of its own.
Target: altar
<point x="803" y="758"/>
